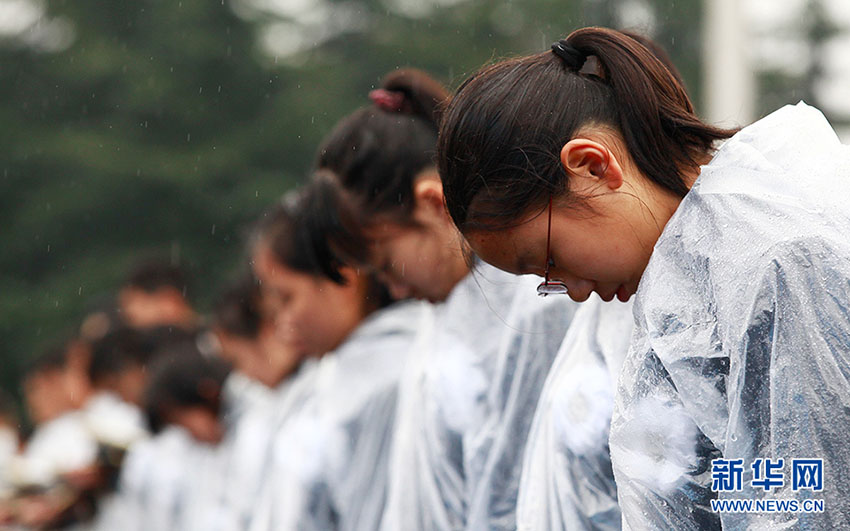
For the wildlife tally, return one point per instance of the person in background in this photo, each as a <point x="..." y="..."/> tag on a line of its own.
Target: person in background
<point x="247" y="337"/>
<point x="10" y="442"/>
<point x="60" y="450"/>
<point x="482" y="356"/>
<point x="255" y="400"/>
<point x="329" y="457"/>
<point x="736" y="381"/>
<point x="186" y="390"/>
<point x="61" y="441"/>
<point x="154" y="295"/>
<point x="118" y="374"/>
<point x="164" y="476"/>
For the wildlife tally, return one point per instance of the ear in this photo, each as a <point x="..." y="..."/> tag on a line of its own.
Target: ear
<point x="583" y="157"/>
<point x="428" y="195"/>
<point x="350" y="276"/>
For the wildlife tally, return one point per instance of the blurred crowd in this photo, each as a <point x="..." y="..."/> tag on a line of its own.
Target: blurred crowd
<point x="145" y="368"/>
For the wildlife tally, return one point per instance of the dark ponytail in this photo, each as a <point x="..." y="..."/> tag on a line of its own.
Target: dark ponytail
<point x="284" y="231"/>
<point x="298" y="230"/>
<point x="375" y="155"/>
<point x="500" y="141"/>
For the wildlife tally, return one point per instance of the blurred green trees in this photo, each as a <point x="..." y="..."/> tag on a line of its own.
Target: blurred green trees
<point x="165" y="127"/>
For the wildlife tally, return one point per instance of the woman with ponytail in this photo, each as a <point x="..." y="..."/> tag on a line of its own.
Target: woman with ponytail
<point x="327" y="461"/>
<point x="587" y="165"/>
<point x="479" y="365"/>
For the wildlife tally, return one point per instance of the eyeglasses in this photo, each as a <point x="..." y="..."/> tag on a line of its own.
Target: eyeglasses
<point x="550" y="287"/>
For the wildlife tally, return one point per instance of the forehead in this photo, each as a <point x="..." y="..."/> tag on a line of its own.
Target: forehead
<point x="383" y="237"/>
<point x="270" y="270"/>
<point x="382" y="229"/>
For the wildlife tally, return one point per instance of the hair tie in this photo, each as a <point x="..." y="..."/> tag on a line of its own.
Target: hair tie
<point x="390" y="101"/>
<point x="571" y="57"/>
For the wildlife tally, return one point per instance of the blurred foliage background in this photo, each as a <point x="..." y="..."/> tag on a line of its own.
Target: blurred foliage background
<point x="138" y="128"/>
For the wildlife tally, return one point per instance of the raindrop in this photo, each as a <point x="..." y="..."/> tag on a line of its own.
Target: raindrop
<point x="80" y="291"/>
<point x="188" y="137"/>
<point x="213" y="230"/>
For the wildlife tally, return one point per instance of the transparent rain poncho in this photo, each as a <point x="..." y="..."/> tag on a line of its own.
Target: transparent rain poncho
<point x="567" y="480"/>
<point x="227" y="480"/>
<point x="742" y="343"/>
<point x="467" y="403"/>
<point x="329" y="457"/>
<point x="156" y="476"/>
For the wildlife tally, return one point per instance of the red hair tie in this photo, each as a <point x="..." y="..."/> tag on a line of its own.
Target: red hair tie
<point x="390" y="101"/>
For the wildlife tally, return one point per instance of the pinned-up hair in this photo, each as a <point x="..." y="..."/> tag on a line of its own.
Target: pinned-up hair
<point x="502" y="134"/>
<point x="183" y="377"/>
<point x="375" y="154"/>
<point x="298" y="230"/>
<point x="283" y="229"/>
<point x="153" y="274"/>
<point x="119" y="350"/>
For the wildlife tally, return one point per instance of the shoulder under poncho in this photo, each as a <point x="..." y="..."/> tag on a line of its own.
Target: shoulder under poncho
<point x="467" y="402"/>
<point x="328" y="469"/>
<point x="742" y="349"/>
<point x="567" y="480"/>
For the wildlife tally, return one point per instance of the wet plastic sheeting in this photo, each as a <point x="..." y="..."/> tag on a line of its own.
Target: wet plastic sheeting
<point x="567" y="480"/>
<point x="465" y="408"/>
<point x="743" y="342"/>
<point x="328" y="469"/>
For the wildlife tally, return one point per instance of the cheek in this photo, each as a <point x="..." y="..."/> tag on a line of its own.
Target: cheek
<point x="311" y="313"/>
<point x="502" y="252"/>
<point x="418" y="249"/>
<point x="600" y="258"/>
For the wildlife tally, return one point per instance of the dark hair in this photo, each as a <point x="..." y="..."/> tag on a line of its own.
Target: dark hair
<point x="501" y="136"/>
<point x="237" y="311"/>
<point x="154" y="274"/>
<point x="293" y="232"/>
<point x="119" y="350"/>
<point x="658" y="51"/>
<point x="376" y="153"/>
<point x="54" y="358"/>
<point x="164" y="337"/>
<point x="183" y="379"/>
<point x="284" y="229"/>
